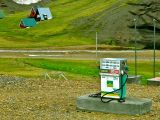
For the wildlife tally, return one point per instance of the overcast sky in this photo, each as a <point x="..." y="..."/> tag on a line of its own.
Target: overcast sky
<point x="26" y="1"/>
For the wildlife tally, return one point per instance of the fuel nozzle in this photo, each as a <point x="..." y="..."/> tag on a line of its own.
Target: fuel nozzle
<point x="124" y="68"/>
<point x="122" y="72"/>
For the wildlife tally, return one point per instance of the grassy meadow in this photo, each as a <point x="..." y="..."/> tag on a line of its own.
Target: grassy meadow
<point x="56" y="32"/>
<point x="29" y="67"/>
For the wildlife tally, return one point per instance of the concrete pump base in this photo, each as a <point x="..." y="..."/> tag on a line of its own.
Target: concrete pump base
<point x="134" y="79"/>
<point x="154" y="81"/>
<point x="131" y="106"/>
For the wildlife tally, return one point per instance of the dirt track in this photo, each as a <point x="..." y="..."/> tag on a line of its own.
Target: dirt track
<point x="79" y="54"/>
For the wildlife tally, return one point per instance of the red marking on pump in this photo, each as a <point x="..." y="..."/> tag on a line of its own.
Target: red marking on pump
<point x="116" y="71"/>
<point x="112" y="71"/>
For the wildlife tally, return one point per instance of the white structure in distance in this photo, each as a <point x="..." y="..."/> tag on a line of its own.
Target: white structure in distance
<point x="26" y="2"/>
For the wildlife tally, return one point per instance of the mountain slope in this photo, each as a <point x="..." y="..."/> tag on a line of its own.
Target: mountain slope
<point x="74" y="24"/>
<point x="12" y="7"/>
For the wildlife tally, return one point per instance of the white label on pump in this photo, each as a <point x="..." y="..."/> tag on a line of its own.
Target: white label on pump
<point x="109" y="83"/>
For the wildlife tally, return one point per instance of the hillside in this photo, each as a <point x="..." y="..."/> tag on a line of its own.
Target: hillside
<point x="74" y="24"/>
<point x="11" y="7"/>
<point x="146" y="11"/>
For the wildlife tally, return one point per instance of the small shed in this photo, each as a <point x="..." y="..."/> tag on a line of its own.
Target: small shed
<point x="1" y="14"/>
<point x="27" y="22"/>
<point x="40" y="13"/>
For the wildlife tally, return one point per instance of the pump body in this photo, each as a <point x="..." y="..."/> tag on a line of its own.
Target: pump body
<point x="113" y="73"/>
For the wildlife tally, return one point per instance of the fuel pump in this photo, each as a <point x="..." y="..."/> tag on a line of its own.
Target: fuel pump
<point x="113" y="74"/>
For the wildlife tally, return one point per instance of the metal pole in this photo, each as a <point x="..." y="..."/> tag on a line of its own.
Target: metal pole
<point x="96" y="45"/>
<point x="154" y="47"/>
<point x="135" y="45"/>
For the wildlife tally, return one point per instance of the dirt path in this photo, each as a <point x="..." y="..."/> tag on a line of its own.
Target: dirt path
<point x="79" y="54"/>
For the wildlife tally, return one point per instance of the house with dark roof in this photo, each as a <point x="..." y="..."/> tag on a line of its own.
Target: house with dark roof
<point x="27" y="22"/>
<point x="40" y="13"/>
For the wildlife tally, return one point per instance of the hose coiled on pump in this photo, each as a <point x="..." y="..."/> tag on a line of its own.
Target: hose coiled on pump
<point x="114" y="92"/>
<point x="120" y="100"/>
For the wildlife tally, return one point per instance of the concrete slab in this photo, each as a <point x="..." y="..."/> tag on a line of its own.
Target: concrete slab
<point x="154" y="81"/>
<point x="132" y="79"/>
<point x="132" y="106"/>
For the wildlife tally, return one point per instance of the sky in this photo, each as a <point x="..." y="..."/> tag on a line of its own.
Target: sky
<point x="26" y="1"/>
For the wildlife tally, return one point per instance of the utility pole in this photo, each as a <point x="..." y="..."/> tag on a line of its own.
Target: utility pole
<point x="154" y="47"/>
<point x="96" y="45"/>
<point x="135" y="46"/>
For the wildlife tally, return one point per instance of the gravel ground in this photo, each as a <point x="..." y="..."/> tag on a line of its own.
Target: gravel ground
<point x="55" y="99"/>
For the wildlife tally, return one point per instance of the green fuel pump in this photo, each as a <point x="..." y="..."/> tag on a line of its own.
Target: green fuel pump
<point x="113" y="74"/>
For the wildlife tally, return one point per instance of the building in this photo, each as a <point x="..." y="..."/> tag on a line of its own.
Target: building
<point x="40" y="13"/>
<point x="27" y="22"/>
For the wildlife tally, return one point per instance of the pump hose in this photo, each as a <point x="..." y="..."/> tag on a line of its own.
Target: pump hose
<point x="99" y="94"/>
<point x="115" y="91"/>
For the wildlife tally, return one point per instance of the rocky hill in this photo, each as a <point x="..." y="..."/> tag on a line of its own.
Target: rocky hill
<point x="146" y="12"/>
<point x="116" y="25"/>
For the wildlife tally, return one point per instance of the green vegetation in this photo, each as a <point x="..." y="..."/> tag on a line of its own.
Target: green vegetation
<point x="56" y="32"/>
<point x="145" y="68"/>
<point x="87" y="68"/>
<point x="35" y="67"/>
<point x="16" y="67"/>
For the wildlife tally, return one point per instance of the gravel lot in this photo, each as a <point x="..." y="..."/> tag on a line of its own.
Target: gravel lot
<point x="55" y="99"/>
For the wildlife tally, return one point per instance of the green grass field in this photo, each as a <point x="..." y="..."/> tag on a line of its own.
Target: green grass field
<point x="56" y="32"/>
<point x="78" y="69"/>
